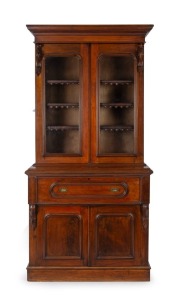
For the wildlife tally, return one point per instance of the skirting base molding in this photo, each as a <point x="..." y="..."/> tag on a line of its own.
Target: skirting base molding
<point x="88" y="274"/>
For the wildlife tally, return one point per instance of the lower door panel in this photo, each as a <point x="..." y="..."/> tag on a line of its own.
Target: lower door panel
<point x="115" y="236"/>
<point x="62" y="235"/>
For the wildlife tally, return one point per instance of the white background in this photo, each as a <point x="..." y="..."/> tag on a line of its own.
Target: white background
<point x="164" y="116"/>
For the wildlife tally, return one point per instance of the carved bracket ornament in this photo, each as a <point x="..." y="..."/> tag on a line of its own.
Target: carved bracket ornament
<point x="39" y="56"/>
<point x="145" y="216"/>
<point x="33" y="215"/>
<point x="140" y="58"/>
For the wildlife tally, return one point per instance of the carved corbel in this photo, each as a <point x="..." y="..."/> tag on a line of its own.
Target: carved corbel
<point x="39" y="56"/>
<point x="145" y="216"/>
<point x="33" y="215"/>
<point x="140" y="58"/>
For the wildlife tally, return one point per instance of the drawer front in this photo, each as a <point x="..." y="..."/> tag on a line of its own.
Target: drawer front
<point x="62" y="190"/>
<point x="88" y="190"/>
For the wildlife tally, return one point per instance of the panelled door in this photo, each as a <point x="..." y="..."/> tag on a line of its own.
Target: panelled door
<point x="62" y="236"/>
<point x="115" y="237"/>
<point x="116" y="89"/>
<point x="62" y="104"/>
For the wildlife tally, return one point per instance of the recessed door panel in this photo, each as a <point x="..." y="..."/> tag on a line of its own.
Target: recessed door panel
<point x="114" y="236"/>
<point x="115" y="239"/>
<point x="62" y="236"/>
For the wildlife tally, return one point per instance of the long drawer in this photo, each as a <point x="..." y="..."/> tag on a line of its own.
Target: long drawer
<point x="88" y="190"/>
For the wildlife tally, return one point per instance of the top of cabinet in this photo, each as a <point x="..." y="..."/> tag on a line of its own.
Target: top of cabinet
<point x="89" y="33"/>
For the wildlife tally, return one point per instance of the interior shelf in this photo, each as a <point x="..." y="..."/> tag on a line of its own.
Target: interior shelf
<point x="62" y="82"/>
<point x="62" y="105"/>
<point x="62" y="128"/>
<point x="116" y="105"/>
<point x="116" y="82"/>
<point x="118" y="128"/>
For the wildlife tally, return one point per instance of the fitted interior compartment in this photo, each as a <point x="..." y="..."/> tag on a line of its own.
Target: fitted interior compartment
<point x="116" y="104"/>
<point x="62" y="101"/>
<point x="62" y="67"/>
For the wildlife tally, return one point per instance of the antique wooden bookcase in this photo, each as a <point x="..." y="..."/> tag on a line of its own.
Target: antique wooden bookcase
<point x="89" y="187"/>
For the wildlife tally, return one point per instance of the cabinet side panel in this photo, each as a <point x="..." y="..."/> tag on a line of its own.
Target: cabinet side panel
<point x="32" y="190"/>
<point x="145" y="190"/>
<point x="144" y="233"/>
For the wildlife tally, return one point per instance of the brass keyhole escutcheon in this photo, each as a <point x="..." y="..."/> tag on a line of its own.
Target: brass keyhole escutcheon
<point x="114" y="189"/>
<point x="63" y="190"/>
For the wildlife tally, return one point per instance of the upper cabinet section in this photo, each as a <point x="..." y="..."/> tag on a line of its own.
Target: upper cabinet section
<point x="89" y="93"/>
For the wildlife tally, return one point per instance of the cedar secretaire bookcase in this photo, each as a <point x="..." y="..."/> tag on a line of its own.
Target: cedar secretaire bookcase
<point x="89" y="187"/>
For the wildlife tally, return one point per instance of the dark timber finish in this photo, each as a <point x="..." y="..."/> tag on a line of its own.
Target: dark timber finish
<point x="88" y="191"/>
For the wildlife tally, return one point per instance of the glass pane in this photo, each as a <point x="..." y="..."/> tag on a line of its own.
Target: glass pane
<point x="62" y="94"/>
<point x="116" y="105"/>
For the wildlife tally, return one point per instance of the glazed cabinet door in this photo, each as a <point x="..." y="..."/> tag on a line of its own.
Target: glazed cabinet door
<point x="61" y="236"/>
<point x="116" y="236"/>
<point x="117" y="99"/>
<point x="62" y="103"/>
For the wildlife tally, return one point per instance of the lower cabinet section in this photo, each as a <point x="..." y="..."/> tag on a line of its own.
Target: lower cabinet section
<point x="78" y="243"/>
